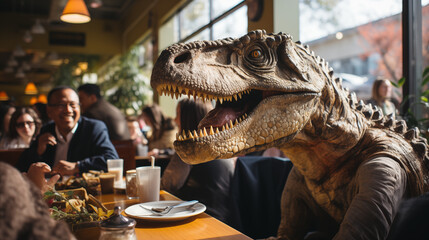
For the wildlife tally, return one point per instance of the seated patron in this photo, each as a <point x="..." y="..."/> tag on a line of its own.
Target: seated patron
<point x="70" y="144"/>
<point x="206" y="182"/>
<point x="23" y="128"/>
<point x="40" y="109"/>
<point x="24" y="213"/>
<point x="94" y="106"/>
<point x="6" y="111"/>
<point x="163" y="130"/>
<point x="382" y="96"/>
<point x="139" y="140"/>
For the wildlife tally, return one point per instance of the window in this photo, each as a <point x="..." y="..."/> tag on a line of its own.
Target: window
<point x="194" y="16"/>
<point x="205" y="20"/>
<point x="234" y="25"/>
<point x="362" y="38"/>
<point x="222" y="6"/>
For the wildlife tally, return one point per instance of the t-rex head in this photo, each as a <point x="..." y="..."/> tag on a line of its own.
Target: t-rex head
<point x="266" y="88"/>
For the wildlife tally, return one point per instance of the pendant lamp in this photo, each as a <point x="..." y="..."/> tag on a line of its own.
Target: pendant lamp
<point x="75" y="12"/>
<point x="31" y="89"/>
<point x="42" y="98"/>
<point x="33" y="100"/>
<point x="3" y="96"/>
<point x="38" y="28"/>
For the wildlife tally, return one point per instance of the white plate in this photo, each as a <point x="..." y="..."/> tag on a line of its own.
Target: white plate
<point x="176" y="214"/>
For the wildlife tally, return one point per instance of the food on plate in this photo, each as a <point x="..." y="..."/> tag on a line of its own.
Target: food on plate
<point x="75" y="206"/>
<point x="90" y="181"/>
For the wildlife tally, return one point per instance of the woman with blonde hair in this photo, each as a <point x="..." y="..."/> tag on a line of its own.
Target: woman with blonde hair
<point x="381" y="96"/>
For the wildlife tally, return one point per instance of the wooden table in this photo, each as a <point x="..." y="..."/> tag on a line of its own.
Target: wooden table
<point x="201" y="226"/>
<point x="160" y="157"/>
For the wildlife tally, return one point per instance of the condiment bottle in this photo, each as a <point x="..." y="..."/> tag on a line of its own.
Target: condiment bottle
<point x="117" y="227"/>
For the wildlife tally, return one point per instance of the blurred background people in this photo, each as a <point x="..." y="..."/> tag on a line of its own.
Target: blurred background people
<point x="70" y="144"/>
<point x="139" y="140"/>
<point x="163" y="130"/>
<point x="381" y="96"/>
<point x="24" y="125"/>
<point x="208" y="182"/>
<point x="40" y="109"/>
<point x="94" y="106"/>
<point x="6" y="111"/>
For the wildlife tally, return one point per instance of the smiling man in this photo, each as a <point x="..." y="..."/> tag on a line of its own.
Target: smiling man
<point x="70" y="144"/>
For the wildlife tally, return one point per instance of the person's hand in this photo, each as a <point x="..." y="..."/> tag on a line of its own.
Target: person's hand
<point x="36" y="173"/>
<point x="44" y="140"/>
<point x="66" y="168"/>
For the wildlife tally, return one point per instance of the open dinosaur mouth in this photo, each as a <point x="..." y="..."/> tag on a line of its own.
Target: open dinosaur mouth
<point x="233" y="112"/>
<point x="229" y="111"/>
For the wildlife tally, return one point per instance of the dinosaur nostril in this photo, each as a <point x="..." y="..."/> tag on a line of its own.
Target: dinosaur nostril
<point x="182" y="57"/>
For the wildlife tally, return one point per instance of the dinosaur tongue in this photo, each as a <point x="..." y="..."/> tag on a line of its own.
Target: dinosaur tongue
<point x="229" y="111"/>
<point x="220" y="116"/>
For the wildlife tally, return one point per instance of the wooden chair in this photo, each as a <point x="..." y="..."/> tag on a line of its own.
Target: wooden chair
<point x="11" y="156"/>
<point x="127" y="151"/>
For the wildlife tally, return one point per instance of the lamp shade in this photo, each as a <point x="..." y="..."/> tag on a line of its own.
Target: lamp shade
<point x="75" y="12"/>
<point x="31" y="89"/>
<point x="3" y="96"/>
<point x="38" y="28"/>
<point x="33" y="100"/>
<point x="42" y="98"/>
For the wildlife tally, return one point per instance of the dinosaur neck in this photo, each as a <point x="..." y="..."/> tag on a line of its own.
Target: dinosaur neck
<point x="325" y="142"/>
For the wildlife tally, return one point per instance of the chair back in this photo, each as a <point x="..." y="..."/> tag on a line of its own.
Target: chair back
<point x="255" y="192"/>
<point x="11" y="156"/>
<point x="127" y="151"/>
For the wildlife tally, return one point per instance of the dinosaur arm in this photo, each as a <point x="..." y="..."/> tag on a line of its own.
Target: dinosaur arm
<point x="381" y="185"/>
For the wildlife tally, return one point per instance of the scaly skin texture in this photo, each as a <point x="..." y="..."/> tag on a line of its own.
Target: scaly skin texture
<point x="271" y="91"/>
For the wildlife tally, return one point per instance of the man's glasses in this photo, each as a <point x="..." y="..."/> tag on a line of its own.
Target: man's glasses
<point x="22" y="124"/>
<point x="62" y="106"/>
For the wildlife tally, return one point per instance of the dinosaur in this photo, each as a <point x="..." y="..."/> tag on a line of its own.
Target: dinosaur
<point x="352" y="165"/>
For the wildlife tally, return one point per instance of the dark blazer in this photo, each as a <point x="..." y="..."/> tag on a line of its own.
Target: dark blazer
<point x="90" y="146"/>
<point x="111" y="116"/>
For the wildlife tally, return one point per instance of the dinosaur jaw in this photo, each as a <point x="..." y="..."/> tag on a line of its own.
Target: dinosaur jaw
<point x="242" y="123"/>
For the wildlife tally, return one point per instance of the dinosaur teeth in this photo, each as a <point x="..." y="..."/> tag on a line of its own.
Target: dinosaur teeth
<point x="176" y="92"/>
<point x="204" y="132"/>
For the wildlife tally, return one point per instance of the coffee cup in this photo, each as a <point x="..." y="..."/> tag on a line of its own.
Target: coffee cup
<point x="107" y="181"/>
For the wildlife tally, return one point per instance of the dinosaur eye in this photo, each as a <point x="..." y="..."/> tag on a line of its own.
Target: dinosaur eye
<point x="255" y="53"/>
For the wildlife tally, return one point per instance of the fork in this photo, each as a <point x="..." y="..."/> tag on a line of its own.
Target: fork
<point x="164" y="210"/>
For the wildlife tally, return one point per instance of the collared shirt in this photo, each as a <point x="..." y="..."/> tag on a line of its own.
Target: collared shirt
<point x="63" y="144"/>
